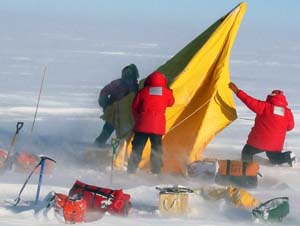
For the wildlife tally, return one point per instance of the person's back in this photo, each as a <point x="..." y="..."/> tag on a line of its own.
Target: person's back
<point x="150" y="104"/>
<point x="112" y="92"/>
<point x="148" y="108"/>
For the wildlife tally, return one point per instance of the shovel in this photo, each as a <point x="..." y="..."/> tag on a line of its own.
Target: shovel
<point x="7" y="163"/>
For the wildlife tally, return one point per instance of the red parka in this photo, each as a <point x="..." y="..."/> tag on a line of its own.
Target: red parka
<point x="150" y="103"/>
<point x="273" y="119"/>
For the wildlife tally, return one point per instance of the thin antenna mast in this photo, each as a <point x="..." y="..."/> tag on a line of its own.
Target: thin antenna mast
<point x="38" y="102"/>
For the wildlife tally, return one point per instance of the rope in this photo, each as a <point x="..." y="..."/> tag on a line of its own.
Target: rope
<point x="190" y="115"/>
<point x="246" y="119"/>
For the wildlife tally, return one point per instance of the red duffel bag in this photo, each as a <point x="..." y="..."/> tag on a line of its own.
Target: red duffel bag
<point x="102" y="199"/>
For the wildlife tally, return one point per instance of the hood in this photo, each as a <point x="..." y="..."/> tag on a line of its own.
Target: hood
<point x="277" y="98"/>
<point x="130" y="72"/>
<point x="156" y="79"/>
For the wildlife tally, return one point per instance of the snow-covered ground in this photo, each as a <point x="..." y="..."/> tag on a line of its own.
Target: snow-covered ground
<point x="81" y="58"/>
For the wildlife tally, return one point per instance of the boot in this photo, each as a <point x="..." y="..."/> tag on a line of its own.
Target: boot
<point x="293" y="160"/>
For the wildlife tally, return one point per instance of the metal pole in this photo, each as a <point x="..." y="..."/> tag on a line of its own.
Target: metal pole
<point x="38" y="102"/>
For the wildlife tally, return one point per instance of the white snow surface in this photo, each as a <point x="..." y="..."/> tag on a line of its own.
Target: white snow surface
<point x="79" y="63"/>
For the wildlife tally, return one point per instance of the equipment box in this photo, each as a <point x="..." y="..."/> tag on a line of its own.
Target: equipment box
<point x="174" y="203"/>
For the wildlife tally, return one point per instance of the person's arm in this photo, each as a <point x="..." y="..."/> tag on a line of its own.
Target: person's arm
<point x="233" y="87"/>
<point x="105" y="93"/>
<point x="253" y="104"/>
<point x="171" y="99"/>
<point x="103" y="100"/>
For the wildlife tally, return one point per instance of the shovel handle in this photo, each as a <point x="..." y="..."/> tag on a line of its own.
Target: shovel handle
<point x="115" y="143"/>
<point x="19" y="126"/>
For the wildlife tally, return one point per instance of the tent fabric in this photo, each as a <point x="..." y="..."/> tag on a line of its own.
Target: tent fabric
<point x="204" y="105"/>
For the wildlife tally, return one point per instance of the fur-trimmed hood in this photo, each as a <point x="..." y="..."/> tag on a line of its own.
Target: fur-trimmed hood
<point x="277" y="98"/>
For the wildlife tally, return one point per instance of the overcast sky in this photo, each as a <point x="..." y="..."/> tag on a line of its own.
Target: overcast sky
<point x="277" y="15"/>
<point x="38" y="29"/>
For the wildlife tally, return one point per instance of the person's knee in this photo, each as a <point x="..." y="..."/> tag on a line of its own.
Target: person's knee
<point x="246" y="156"/>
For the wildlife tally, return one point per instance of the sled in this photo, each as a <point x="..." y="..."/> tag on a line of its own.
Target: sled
<point x="273" y="210"/>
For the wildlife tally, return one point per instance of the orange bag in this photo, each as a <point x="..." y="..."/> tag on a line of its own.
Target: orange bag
<point x="238" y="168"/>
<point x="238" y="173"/>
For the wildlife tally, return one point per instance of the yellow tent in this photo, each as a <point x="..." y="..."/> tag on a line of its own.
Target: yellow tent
<point x="204" y="105"/>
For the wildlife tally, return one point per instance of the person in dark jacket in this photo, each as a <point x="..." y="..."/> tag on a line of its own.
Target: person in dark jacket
<point x="115" y="91"/>
<point x="148" y="108"/>
<point x="273" y="119"/>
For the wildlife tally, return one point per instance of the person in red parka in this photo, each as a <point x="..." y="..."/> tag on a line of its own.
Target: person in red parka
<point x="273" y="119"/>
<point x="148" y="108"/>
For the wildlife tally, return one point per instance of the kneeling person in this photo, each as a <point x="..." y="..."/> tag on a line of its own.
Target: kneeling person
<point x="273" y="119"/>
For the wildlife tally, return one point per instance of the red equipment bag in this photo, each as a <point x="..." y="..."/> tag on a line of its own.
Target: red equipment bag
<point x="73" y="208"/>
<point x="25" y="162"/>
<point x="102" y="199"/>
<point x="3" y="157"/>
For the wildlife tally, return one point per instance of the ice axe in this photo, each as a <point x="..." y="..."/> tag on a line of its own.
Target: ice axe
<point x="7" y="163"/>
<point x="114" y="143"/>
<point x="42" y="163"/>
